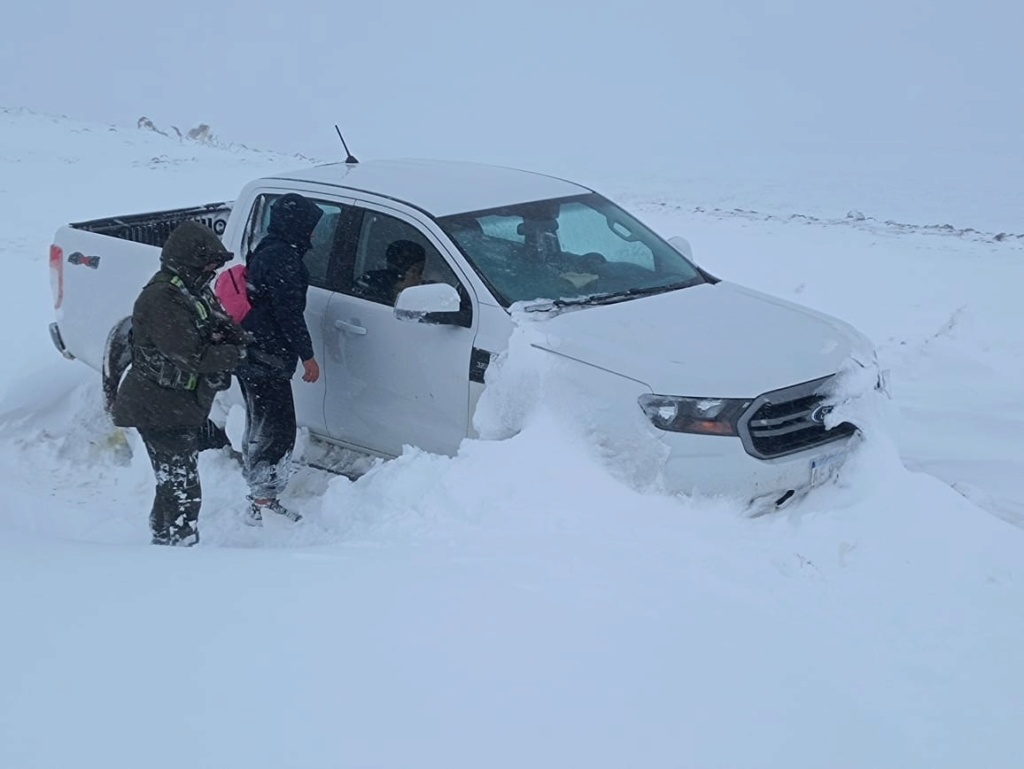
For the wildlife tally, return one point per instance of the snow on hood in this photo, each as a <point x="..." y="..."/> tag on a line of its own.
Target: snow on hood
<point x="715" y="340"/>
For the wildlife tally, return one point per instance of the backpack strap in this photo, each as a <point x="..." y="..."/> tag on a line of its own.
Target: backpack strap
<point x="151" y="363"/>
<point x="201" y="308"/>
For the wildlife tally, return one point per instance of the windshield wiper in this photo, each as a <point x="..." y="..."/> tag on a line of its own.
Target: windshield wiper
<point x="593" y="300"/>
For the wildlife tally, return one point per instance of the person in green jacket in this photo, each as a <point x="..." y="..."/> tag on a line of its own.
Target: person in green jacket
<point x="183" y="350"/>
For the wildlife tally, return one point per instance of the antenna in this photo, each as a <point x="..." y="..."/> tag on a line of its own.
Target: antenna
<point x="351" y="158"/>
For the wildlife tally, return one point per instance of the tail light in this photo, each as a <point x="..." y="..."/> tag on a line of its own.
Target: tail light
<point x="57" y="275"/>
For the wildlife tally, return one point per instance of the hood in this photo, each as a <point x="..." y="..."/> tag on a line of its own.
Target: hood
<point x="713" y="340"/>
<point x="190" y="248"/>
<point x="293" y="219"/>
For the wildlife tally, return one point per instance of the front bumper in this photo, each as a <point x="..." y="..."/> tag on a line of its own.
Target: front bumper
<point x="784" y="447"/>
<point x="58" y="341"/>
<point x="719" y="466"/>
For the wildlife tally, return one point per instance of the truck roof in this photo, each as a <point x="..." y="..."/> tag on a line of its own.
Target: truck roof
<point x="439" y="187"/>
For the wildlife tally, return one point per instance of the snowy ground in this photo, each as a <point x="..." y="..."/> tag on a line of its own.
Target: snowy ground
<point x="516" y="606"/>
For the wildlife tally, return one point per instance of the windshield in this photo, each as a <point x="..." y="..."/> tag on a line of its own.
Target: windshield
<point x="571" y="249"/>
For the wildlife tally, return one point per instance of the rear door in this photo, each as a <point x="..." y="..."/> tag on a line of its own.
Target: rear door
<point x="393" y="382"/>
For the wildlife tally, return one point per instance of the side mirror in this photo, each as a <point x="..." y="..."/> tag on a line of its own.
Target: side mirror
<point x="430" y="303"/>
<point x="682" y="245"/>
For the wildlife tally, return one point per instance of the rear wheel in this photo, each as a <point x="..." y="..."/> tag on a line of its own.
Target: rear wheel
<point x="117" y="357"/>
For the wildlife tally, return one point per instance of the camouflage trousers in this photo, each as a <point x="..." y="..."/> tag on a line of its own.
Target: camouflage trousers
<point x="174" y="454"/>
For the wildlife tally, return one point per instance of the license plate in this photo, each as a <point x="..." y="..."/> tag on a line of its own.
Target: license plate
<point x="826" y="468"/>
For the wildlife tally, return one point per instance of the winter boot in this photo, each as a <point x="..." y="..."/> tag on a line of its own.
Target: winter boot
<point x="253" y="515"/>
<point x="273" y="506"/>
<point x="157" y="525"/>
<point x="188" y="540"/>
<point x="184" y="535"/>
<point x="280" y="509"/>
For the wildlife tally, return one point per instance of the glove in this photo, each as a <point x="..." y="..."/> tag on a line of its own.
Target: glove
<point x="232" y="334"/>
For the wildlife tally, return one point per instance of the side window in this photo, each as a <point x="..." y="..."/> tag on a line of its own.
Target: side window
<point x="318" y="258"/>
<point x="583" y="230"/>
<point x="392" y="254"/>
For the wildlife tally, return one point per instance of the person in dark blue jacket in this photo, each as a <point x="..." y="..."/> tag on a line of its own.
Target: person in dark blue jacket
<point x="278" y="281"/>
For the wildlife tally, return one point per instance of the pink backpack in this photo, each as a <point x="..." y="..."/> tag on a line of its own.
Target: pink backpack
<point x="232" y="291"/>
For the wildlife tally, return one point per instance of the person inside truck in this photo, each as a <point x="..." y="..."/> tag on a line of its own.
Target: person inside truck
<point x="404" y="260"/>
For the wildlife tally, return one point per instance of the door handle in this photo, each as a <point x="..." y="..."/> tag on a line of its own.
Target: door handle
<point x="352" y="328"/>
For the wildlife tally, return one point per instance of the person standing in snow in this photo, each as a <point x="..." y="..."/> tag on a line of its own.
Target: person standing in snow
<point x="183" y="350"/>
<point x="277" y="281"/>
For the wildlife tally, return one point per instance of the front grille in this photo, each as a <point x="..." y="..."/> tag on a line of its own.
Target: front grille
<point x="790" y="420"/>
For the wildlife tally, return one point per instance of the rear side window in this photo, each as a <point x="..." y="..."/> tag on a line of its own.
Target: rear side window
<point x="324" y="239"/>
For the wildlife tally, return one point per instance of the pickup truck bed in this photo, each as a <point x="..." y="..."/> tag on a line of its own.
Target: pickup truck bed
<point x="152" y="229"/>
<point x="111" y="258"/>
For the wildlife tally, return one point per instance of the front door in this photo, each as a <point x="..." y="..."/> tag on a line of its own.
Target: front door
<point x="327" y="238"/>
<point x="395" y="382"/>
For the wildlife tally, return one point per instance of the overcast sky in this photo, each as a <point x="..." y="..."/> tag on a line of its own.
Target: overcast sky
<point x="532" y="80"/>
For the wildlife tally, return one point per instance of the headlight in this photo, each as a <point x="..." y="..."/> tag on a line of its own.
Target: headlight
<point x="706" y="416"/>
<point x="882" y="382"/>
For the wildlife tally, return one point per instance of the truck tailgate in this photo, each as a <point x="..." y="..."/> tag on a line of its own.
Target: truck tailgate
<point x="102" y="278"/>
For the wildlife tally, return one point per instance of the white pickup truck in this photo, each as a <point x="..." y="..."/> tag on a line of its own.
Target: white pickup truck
<point x="730" y="383"/>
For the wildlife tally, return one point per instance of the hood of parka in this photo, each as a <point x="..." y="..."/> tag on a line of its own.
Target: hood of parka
<point x="190" y="250"/>
<point x="293" y="219"/>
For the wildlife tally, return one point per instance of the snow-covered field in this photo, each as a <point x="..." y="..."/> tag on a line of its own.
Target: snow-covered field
<point x="516" y="605"/>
